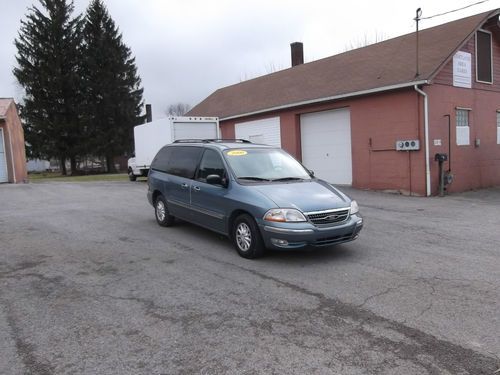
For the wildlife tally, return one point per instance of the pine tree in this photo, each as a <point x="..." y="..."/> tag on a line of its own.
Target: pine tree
<point x="49" y="59"/>
<point x="113" y="92"/>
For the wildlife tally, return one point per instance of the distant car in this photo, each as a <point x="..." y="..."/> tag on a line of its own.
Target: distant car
<point x="258" y="195"/>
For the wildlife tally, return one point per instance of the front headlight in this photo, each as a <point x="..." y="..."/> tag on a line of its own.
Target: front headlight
<point x="284" y="215"/>
<point x="354" y="207"/>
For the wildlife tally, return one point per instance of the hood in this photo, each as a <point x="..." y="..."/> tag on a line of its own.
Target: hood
<point x="307" y="196"/>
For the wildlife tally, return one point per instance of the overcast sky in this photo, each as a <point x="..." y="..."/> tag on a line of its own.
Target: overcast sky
<point x="186" y="49"/>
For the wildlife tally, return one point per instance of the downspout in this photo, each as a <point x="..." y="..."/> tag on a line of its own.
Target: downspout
<point x="426" y="131"/>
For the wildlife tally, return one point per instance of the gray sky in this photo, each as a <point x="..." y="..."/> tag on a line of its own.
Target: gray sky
<point x="186" y="49"/>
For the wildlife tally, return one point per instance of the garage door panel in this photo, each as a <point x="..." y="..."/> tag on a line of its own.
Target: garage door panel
<point x="4" y="177"/>
<point x="326" y="145"/>
<point x="266" y="131"/>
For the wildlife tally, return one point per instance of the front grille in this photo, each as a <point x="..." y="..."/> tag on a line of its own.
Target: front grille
<point x="334" y="240"/>
<point x="328" y="217"/>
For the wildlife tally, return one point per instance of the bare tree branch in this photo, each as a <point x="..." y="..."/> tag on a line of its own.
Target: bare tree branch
<point x="364" y="41"/>
<point x="177" y="109"/>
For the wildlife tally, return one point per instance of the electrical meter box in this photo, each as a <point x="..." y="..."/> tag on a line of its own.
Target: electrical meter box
<point x="408" y="145"/>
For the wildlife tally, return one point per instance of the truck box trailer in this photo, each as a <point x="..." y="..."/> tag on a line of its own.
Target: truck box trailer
<point x="151" y="136"/>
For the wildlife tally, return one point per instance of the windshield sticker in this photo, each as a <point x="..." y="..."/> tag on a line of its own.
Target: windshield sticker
<point x="237" y="153"/>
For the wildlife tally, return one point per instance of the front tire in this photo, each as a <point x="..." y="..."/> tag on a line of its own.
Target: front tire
<point x="247" y="238"/>
<point x="162" y="215"/>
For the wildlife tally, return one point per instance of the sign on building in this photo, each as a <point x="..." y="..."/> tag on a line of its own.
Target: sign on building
<point x="462" y="72"/>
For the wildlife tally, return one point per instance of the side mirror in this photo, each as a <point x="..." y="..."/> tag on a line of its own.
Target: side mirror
<point x="311" y="172"/>
<point x="215" y="179"/>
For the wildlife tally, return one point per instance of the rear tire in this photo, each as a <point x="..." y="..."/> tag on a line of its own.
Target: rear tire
<point x="247" y="238"/>
<point x="131" y="175"/>
<point x="162" y="215"/>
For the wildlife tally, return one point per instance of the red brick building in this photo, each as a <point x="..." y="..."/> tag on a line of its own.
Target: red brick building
<point x="344" y="115"/>
<point x="12" y="149"/>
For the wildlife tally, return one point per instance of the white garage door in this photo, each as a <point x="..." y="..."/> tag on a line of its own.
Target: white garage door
<point x="326" y="145"/>
<point x="185" y="130"/>
<point x="266" y="131"/>
<point x="4" y="177"/>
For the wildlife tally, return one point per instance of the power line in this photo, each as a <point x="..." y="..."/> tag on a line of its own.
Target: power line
<point x="454" y="10"/>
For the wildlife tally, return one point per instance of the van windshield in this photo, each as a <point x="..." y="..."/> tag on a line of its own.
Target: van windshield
<point x="265" y="165"/>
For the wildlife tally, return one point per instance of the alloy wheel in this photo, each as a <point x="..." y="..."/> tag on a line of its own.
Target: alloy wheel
<point x="243" y="236"/>
<point x="160" y="210"/>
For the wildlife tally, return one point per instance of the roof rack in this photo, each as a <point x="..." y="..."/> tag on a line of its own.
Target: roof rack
<point x="190" y="141"/>
<point x="221" y="140"/>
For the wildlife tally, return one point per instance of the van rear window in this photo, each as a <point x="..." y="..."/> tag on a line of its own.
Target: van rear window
<point x="160" y="162"/>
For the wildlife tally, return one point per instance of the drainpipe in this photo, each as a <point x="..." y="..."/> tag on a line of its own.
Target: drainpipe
<point x="426" y="127"/>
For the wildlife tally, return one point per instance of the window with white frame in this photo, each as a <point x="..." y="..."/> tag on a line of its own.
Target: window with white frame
<point x="498" y="127"/>
<point x="463" y="128"/>
<point x="484" y="57"/>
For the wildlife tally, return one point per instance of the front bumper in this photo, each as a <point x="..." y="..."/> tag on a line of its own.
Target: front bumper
<point x="298" y="235"/>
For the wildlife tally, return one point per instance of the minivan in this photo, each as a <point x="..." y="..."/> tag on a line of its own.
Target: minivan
<point x="257" y="195"/>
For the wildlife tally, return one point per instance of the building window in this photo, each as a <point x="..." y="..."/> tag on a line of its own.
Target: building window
<point x="463" y="128"/>
<point x="498" y="127"/>
<point x="484" y="63"/>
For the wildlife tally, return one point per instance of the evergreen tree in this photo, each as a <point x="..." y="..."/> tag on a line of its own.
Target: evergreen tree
<point x="113" y="92"/>
<point x="49" y="59"/>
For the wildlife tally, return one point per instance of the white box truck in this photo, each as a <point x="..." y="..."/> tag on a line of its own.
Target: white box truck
<point x="151" y="136"/>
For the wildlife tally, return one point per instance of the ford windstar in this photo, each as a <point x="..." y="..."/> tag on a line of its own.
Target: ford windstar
<point x="257" y="195"/>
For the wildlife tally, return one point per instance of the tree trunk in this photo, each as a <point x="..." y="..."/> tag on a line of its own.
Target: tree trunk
<point x="73" y="165"/>
<point x="110" y="166"/>
<point x="62" y="160"/>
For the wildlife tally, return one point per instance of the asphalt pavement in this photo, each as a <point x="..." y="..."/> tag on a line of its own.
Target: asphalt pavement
<point x="90" y="284"/>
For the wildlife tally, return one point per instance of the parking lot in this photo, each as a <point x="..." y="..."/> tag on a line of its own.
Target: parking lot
<point x="90" y="284"/>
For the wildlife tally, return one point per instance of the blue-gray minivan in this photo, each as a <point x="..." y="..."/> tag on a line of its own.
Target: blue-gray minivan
<point x="257" y="195"/>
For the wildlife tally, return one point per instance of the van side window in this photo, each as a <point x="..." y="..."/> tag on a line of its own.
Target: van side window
<point x="160" y="162"/>
<point x="184" y="161"/>
<point x="211" y="163"/>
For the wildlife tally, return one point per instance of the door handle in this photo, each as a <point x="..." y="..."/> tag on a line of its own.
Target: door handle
<point x="197" y="188"/>
<point x="184" y="185"/>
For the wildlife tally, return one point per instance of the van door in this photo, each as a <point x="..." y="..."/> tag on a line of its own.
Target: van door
<point x="177" y="184"/>
<point x="208" y="201"/>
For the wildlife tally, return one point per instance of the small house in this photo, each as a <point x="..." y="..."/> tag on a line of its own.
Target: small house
<point x="12" y="148"/>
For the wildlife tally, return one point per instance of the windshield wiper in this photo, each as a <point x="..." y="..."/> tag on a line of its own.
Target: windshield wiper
<point x="288" y="179"/>
<point x="253" y="178"/>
